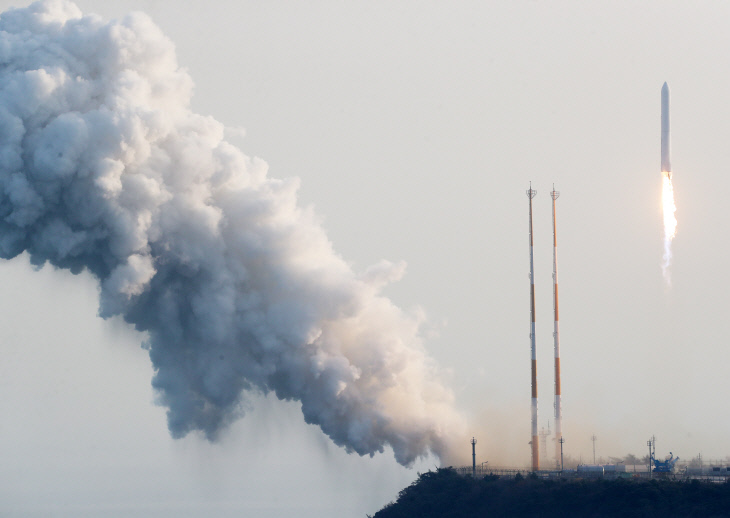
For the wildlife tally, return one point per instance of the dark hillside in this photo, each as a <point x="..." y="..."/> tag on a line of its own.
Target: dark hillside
<point x="444" y="493"/>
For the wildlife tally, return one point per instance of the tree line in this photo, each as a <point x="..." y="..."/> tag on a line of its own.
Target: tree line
<point x="444" y="493"/>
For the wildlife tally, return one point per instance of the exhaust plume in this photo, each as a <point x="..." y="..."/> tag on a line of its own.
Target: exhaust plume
<point x="104" y="168"/>
<point x="670" y="225"/>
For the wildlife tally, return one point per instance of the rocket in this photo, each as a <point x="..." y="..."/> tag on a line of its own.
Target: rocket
<point x="666" y="166"/>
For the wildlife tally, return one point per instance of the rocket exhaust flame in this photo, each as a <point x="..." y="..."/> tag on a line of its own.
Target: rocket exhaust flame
<point x="105" y="168"/>
<point x="670" y="225"/>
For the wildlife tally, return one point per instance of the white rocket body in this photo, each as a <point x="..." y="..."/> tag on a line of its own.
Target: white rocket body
<point x="666" y="165"/>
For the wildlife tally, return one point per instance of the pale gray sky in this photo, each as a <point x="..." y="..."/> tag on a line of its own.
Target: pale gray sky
<point x="415" y="128"/>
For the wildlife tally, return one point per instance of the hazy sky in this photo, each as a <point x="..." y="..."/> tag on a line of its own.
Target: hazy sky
<point x="415" y="128"/>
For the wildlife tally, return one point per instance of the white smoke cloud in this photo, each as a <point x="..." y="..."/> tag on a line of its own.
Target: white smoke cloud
<point x="103" y="167"/>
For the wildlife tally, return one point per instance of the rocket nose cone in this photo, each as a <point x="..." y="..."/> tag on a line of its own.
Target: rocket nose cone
<point x="665" y="87"/>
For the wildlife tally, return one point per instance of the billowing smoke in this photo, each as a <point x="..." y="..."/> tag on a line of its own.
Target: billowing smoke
<point x="104" y="168"/>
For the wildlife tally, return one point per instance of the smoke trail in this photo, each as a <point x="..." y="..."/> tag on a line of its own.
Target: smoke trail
<point x="670" y="225"/>
<point x="103" y="167"/>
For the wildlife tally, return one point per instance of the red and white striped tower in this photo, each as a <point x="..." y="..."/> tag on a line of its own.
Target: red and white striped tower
<point x="556" y="337"/>
<point x="535" y="445"/>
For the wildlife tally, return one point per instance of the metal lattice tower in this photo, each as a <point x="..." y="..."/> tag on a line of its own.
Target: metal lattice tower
<point x="544" y="434"/>
<point x="534" y="443"/>
<point x="594" y="439"/>
<point x="556" y="336"/>
<point x="474" y="457"/>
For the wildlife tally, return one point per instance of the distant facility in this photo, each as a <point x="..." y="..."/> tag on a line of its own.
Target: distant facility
<point x="654" y="466"/>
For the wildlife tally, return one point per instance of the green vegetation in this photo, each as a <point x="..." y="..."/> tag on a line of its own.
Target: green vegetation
<point x="444" y="493"/>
